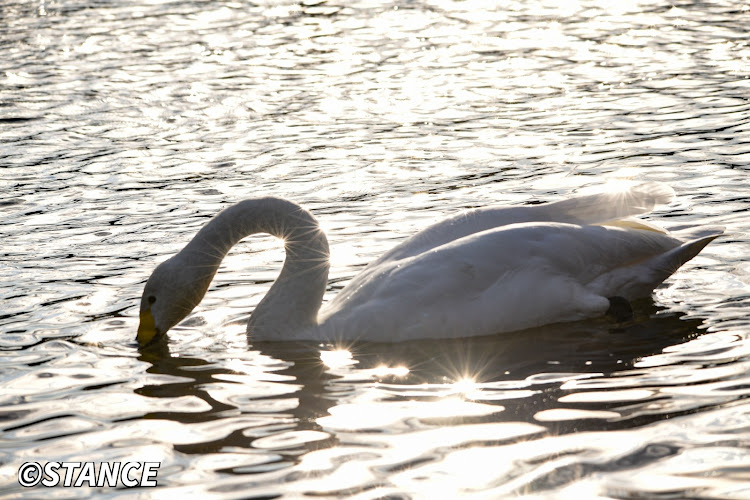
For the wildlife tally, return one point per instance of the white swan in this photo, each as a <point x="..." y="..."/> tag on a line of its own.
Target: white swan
<point x="486" y="271"/>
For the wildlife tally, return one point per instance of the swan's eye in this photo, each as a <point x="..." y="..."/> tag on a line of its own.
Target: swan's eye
<point x="151" y="299"/>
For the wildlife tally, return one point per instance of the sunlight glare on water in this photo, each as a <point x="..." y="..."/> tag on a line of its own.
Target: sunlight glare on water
<point x="125" y="127"/>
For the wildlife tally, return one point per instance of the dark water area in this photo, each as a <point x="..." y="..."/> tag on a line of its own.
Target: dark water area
<point x="125" y="126"/>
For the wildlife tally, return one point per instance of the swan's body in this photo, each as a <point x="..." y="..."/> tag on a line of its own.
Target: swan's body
<point x="487" y="271"/>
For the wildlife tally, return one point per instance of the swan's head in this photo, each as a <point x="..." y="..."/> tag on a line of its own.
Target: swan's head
<point x="170" y="294"/>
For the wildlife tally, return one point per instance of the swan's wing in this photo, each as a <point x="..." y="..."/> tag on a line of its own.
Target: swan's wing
<point x="617" y="204"/>
<point x="503" y="279"/>
<point x="597" y="208"/>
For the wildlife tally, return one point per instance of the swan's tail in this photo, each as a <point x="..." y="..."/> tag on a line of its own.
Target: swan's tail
<point x="638" y="280"/>
<point x="667" y="263"/>
<point x="609" y="206"/>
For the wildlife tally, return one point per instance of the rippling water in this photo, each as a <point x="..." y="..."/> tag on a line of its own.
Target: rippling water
<point x="124" y="126"/>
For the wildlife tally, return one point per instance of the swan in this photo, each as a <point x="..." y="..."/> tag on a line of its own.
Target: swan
<point x="482" y="272"/>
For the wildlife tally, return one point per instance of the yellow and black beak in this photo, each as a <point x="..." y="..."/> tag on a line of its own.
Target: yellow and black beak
<point x="147" y="331"/>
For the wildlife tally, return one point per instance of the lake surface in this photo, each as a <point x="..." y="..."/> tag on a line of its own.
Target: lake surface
<point x="124" y="126"/>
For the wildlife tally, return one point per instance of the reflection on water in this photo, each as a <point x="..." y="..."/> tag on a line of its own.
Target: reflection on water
<point x="125" y="126"/>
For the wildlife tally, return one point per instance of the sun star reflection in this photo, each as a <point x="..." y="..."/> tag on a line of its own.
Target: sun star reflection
<point x="337" y="358"/>
<point x="393" y="371"/>
<point x="465" y="385"/>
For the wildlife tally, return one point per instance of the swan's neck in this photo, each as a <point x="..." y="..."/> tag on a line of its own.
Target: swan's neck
<point x="293" y="301"/>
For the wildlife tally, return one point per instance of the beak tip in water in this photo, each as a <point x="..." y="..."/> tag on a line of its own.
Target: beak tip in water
<point x="147" y="331"/>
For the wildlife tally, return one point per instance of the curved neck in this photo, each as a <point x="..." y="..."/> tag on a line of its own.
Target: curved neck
<point x="293" y="301"/>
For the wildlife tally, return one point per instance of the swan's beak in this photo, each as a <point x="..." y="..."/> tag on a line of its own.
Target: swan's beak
<point x="147" y="331"/>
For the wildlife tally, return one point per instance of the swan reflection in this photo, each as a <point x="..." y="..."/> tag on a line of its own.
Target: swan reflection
<point x="327" y="417"/>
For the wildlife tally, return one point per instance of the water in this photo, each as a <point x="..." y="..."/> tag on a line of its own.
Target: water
<point x="125" y="126"/>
